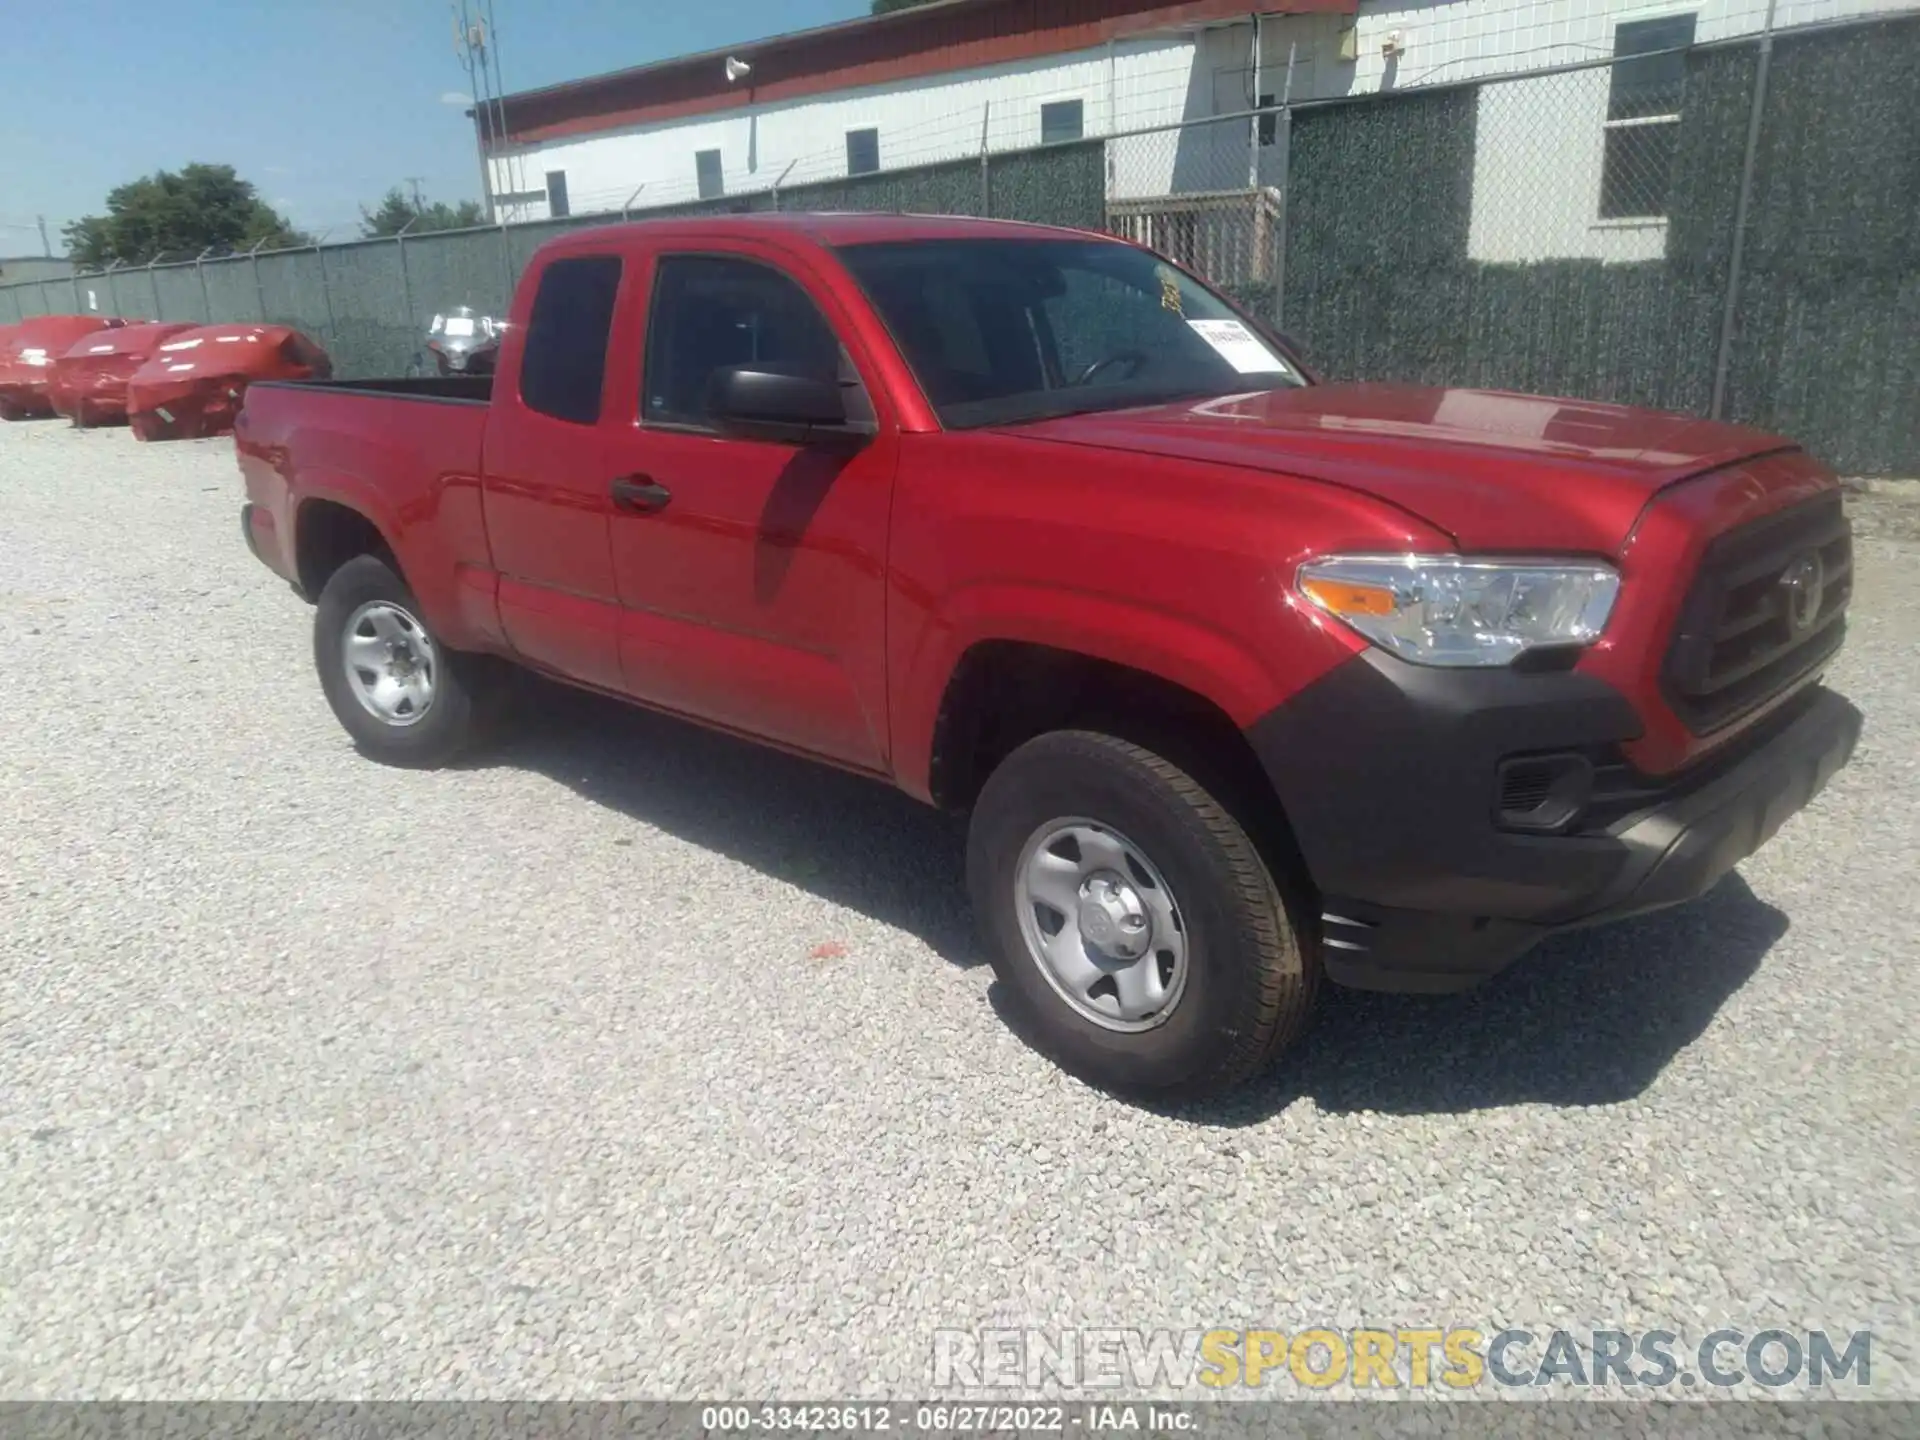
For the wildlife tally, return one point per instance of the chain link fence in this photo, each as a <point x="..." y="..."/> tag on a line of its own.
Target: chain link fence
<point x="1668" y="231"/>
<point x="369" y="302"/>
<point x="1728" y="230"/>
<point x="1724" y="229"/>
<point x="1208" y="195"/>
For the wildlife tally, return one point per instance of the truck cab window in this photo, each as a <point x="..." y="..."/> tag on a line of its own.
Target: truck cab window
<point x="709" y="312"/>
<point x="565" y="361"/>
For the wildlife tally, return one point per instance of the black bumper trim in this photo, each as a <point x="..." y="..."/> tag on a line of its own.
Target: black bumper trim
<point x="1387" y="773"/>
<point x="1682" y="848"/>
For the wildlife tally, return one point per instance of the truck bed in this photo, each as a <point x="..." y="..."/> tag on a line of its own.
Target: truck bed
<point x="399" y="452"/>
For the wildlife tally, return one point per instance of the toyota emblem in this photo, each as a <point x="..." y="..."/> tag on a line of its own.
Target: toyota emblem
<point x="1805" y="583"/>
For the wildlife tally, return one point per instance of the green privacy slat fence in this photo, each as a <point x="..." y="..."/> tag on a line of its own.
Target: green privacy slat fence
<point x="1829" y="315"/>
<point x="177" y="295"/>
<point x="230" y="291"/>
<point x="1388" y="271"/>
<point x="1382" y="281"/>
<point x="366" y="307"/>
<point x="369" y="302"/>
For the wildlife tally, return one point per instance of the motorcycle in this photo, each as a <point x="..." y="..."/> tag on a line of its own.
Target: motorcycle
<point x="464" y="343"/>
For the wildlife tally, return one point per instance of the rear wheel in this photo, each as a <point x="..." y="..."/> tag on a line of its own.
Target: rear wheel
<point x="1132" y="920"/>
<point x="402" y="695"/>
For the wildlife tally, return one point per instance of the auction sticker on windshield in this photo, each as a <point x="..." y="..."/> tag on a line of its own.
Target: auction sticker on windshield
<point x="1237" y="345"/>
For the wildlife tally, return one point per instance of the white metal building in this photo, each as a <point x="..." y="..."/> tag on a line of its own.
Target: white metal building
<point x="944" y="80"/>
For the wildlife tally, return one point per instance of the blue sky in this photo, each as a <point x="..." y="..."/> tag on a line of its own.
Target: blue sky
<point x="323" y="104"/>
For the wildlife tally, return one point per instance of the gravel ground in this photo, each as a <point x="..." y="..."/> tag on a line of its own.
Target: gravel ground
<point x="633" y="1061"/>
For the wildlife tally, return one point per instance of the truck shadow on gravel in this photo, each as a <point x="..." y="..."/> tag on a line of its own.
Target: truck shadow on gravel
<point x="1589" y="1018"/>
<point x="854" y="842"/>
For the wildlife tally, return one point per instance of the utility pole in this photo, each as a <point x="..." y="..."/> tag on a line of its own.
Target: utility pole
<point x="414" y="181"/>
<point x="517" y="181"/>
<point x="46" y="247"/>
<point x="470" y="48"/>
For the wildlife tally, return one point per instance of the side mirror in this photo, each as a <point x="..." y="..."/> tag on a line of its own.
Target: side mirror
<point x="770" y="404"/>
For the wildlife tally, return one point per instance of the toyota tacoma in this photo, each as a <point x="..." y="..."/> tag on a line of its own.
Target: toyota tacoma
<point x="1246" y="681"/>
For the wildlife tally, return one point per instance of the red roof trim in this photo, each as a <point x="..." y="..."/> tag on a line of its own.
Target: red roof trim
<point x="909" y="44"/>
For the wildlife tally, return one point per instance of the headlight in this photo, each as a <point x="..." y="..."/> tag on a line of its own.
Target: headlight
<point x="1456" y="610"/>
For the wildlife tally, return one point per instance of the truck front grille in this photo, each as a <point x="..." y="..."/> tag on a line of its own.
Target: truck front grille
<point x="1767" y="607"/>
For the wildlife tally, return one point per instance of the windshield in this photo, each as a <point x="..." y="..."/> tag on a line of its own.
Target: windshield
<point x="1004" y="330"/>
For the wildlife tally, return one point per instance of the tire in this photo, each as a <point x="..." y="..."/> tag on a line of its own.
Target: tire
<point x="366" y="596"/>
<point x="1239" y="987"/>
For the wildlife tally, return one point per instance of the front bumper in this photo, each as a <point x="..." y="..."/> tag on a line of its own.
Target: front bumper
<point x="1390" y="774"/>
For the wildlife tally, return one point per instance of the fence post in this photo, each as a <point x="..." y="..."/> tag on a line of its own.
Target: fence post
<point x="259" y="290"/>
<point x="1730" y="317"/>
<point x="326" y="290"/>
<point x="775" y="187"/>
<point x="200" y="269"/>
<point x="630" y="199"/>
<point x="113" y="288"/>
<point x="1253" y="126"/>
<point x="406" y="283"/>
<point x="986" y="178"/>
<point x="153" y="284"/>
<point x="73" y="282"/>
<point x="1284" y="124"/>
<point x="506" y="262"/>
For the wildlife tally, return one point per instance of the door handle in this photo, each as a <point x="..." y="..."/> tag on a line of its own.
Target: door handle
<point x="639" y="494"/>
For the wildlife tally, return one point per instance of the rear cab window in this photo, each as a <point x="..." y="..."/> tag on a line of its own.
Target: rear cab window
<point x="563" y="367"/>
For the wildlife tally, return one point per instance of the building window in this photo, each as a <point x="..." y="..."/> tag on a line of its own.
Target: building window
<point x="1643" y="116"/>
<point x="1060" y="121"/>
<point x="557" y="194"/>
<point x="863" y="152"/>
<point x="706" y="164"/>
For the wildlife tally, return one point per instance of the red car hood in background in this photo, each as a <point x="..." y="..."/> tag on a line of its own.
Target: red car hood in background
<point x="1497" y="471"/>
<point x="89" y="382"/>
<point x="27" y="356"/>
<point x="195" y="380"/>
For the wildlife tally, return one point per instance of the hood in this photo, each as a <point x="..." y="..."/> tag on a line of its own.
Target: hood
<point x="1496" y="471"/>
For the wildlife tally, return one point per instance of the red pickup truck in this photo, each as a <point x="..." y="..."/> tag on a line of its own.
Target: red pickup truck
<point x="1245" y="679"/>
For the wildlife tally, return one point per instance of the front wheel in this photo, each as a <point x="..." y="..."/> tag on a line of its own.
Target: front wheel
<point x="403" y="697"/>
<point x="1132" y="920"/>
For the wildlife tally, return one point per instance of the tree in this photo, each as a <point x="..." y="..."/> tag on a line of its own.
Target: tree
<point x="887" y="7"/>
<point x="396" y="210"/>
<point x="179" y="214"/>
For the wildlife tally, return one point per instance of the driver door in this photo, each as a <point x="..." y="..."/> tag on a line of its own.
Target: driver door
<point x="751" y="572"/>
